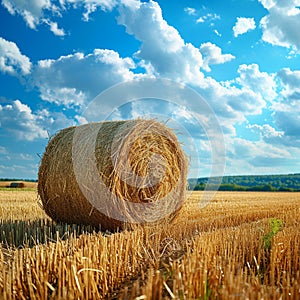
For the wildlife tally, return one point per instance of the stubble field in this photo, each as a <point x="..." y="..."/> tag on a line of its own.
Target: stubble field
<point x="242" y="245"/>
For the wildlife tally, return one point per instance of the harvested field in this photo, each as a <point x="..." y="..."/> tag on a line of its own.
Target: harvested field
<point x="26" y="184"/>
<point x="243" y="245"/>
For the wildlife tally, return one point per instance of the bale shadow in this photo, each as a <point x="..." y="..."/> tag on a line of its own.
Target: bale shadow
<point x="29" y="233"/>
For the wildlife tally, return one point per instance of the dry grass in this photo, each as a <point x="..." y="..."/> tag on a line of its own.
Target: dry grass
<point x="16" y="204"/>
<point x="212" y="253"/>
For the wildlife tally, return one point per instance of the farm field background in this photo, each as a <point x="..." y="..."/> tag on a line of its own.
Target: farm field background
<point x="26" y="184"/>
<point x="242" y="245"/>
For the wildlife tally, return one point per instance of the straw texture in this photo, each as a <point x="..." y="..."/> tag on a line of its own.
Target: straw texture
<point x="112" y="174"/>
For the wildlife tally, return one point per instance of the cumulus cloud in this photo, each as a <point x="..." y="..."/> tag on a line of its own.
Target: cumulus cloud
<point x="162" y="44"/>
<point x="257" y="157"/>
<point x="213" y="55"/>
<point x="280" y="26"/>
<point x="75" y="78"/>
<point x="20" y="121"/>
<point x="266" y="131"/>
<point x="257" y="81"/>
<point x="170" y="56"/>
<point x="290" y="91"/>
<point x="32" y="11"/>
<point x="286" y="108"/>
<point x="231" y="104"/>
<point x="36" y="12"/>
<point x="164" y="49"/>
<point x="245" y="149"/>
<point x="91" y="6"/>
<point x="153" y="25"/>
<point x="62" y="95"/>
<point x="290" y="81"/>
<point x="42" y="11"/>
<point x="289" y="122"/>
<point x="243" y="25"/>
<point x="12" y="61"/>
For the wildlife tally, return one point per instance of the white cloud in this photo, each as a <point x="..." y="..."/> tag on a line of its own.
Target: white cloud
<point x="259" y="82"/>
<point x="76" y="78"/>
<point x="32" y="11"/>
<point x="81" y="119"/>
<point x="208" y="18"/>
<point x="18" y="119"/>
<point x="287" y="138"/>
<point x="35" y="12"/>
<point x="162" y="45"/>
<point x="169" y="56"/>
<point x="232" y="104"/>
<point x="62" y="95"/>
<point x="190" y="11"/>
<point x="12" y="61"/>
<point x="289" y="122"/>
<point x="289" y="101"/>
<point x="282" y="92"/>
<point x="213" y="55"/>
<point x="257" y="157"/>
<point x="151" y="24"/>
<point x="91" y="6"/>
<point x="245" y="149"/>
<point x="217" y="33"/>
<point x="200" y="20"/>
<point x="54" y="28"/>
<point x="286" y="108"/>
<point x="280" y="26"/>
<point x="266" y="131"/>
<point x="243" y="25"/>
<point x="290" y="81"/>
<point x="21" y="122"/>
<point x="267" y="3"/>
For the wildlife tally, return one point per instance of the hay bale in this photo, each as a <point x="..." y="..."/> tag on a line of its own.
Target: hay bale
<point x="16" y="185"/>
<point x="112" y="174"/>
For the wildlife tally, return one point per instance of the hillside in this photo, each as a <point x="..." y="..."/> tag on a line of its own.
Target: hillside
<point x="284" y="182"/>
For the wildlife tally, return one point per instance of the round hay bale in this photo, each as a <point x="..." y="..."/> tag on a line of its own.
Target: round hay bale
<point x="112" y="174"/>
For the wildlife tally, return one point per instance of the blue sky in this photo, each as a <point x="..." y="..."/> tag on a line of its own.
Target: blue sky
<point x="242" y="57"/>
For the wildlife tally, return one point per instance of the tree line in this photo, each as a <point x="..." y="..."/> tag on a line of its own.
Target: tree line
<point x="18" y="179"/>
<point x="284" y="183"/>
